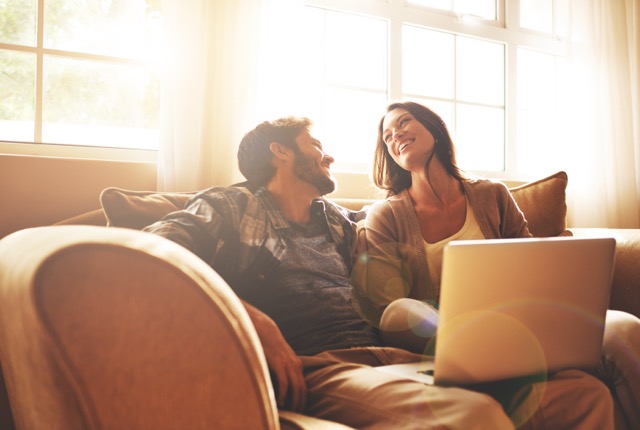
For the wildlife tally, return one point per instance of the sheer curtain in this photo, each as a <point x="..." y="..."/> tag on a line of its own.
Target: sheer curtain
<point x="209" y="90"/>
<point x="603" y="102"/>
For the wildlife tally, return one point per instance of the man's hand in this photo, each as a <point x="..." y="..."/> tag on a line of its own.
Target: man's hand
<point x="284" y="364"/>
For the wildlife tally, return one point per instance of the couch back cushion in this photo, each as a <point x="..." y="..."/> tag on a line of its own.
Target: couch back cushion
<point x="138" y="209"/>
<point x="543" y="203"/>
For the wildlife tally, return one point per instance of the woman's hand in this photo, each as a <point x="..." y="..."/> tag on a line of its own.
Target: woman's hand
<point x="285" y="366"/>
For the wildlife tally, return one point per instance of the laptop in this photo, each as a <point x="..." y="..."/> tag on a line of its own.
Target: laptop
<point x="513" y="308"/>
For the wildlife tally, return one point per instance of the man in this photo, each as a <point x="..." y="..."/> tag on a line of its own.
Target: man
<point x="287" y="252"/>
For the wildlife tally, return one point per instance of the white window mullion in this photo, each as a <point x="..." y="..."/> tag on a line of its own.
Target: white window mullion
<point x="511" y="111"/>
<point x="38" y="117"/>
<point x="502" y="13"/>
<point x="511" y="11"/>
<point x="395" y="57"/>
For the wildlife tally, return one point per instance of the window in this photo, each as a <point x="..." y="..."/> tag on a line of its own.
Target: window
<point x="490" y="68"/>
<point x="463" y="80"/>
<point x="80" y="72"/>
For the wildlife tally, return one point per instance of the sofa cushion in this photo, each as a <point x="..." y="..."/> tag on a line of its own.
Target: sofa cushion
<point x="543" y="203"/>
<point x="94" y="217"/>
<point x="138" y="209"/>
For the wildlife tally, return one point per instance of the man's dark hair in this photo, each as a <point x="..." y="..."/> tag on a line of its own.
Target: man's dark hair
<point x="254" y="155"/>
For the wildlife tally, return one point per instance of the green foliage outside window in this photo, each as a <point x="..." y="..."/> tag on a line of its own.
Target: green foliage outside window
<point x="95" y="66"/>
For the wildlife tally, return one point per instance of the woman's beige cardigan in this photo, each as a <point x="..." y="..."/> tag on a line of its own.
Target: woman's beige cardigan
<point x="391" y="261"/>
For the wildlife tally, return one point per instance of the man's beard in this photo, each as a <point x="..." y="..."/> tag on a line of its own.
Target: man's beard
<point x="308" y="171"/>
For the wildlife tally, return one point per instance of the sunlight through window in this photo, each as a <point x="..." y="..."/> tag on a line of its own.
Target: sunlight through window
<point x="89" y="76"/>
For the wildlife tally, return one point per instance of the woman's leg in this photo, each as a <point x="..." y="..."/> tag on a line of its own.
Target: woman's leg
<point x="620" y="366"/>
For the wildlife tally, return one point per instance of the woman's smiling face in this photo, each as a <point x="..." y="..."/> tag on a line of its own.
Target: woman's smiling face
<point x="409" y="142"/>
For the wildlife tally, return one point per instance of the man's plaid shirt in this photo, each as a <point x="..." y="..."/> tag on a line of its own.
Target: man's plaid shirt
<point x="239" y="233"/>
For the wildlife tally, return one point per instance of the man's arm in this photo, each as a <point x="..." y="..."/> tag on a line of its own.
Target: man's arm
<point x="199" y="228"/>
<point x="196" y="228"/>
<point x="284" y="364"/>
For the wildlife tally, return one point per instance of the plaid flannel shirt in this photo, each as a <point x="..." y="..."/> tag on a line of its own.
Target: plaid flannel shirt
<point x="239" y="233"/>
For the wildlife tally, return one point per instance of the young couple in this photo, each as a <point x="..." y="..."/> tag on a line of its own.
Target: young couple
<point x="289" y="255"/>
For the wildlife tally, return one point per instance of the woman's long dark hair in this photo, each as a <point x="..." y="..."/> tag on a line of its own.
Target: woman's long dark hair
<point x="388" y="175"/>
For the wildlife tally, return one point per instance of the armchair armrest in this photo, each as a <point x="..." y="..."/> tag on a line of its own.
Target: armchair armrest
<point x="114" y="328"/>
<point x="625" y="287"/>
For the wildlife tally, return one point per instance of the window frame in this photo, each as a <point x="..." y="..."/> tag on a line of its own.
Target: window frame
<point x="42" y="148"/>
<point x="505" y="29"/>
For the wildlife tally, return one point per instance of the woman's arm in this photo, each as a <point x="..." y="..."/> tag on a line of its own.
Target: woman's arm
<point x="381" y="273"/>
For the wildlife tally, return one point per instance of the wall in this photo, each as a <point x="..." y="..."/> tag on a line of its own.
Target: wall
<point x="38" y="190"/>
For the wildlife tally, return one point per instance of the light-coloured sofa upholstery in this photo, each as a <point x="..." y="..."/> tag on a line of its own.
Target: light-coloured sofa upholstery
<point x="111" y="328"/>
<point x="542" y="202"/>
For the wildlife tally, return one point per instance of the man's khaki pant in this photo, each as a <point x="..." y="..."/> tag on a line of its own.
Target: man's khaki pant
<point x="343" y="387"/>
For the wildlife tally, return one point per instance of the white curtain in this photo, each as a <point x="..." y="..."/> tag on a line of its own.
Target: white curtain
<point x="209" y="90"/>
<point x="603" y="107"/>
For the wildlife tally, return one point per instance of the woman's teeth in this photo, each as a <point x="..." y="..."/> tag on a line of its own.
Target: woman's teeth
<point x="404" y="145"/>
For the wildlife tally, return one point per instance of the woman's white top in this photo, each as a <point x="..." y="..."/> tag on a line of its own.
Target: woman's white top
<point x="469" y="231"/>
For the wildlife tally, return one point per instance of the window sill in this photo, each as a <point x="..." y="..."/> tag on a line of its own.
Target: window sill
<point x="73" y="151"/>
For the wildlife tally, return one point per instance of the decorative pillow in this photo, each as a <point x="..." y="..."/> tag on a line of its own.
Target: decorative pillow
<point x="543" y="204"/>
<point x="137" y="209"/>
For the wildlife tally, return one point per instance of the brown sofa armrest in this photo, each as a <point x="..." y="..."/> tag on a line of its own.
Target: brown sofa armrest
<point x="625" y="287"/>
<point x="625" y="293"/>
<point x="115" y="328"/>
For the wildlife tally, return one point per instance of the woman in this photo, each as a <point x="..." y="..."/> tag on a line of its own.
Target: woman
<point x="431" y="202"/>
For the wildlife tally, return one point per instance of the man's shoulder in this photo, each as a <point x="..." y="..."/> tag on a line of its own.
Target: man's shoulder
<point x="221" y="193"/>
<point x="227" y="201"/>
<point x="336" y="209"/>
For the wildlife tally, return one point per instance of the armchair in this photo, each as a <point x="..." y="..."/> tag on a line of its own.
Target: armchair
<point x="113" y="328"/>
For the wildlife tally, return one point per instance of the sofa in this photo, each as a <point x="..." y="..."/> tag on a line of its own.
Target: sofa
<point x="106" y="327"/>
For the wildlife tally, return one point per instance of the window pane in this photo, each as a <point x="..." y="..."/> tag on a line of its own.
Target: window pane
<point x="537" y="15"/>
<point x="536" y="80"/>
<point x="427" y="62"/>
<point x="18" y="22"/>
<point x="99" y="104"/>
<point x="314" y="40"/>
<point x="480" y="71"/>
<point x="355" y="53"/>
<point x="116" y="27"/>
<point x="349" y="128"/>
<point x="343" y="88"/>
<point x="537" y="115"/>
<point x="480" y="138"/>
<point x="537" y="139"/>
<point x="17" y="86"/>
<point x="443" y="109"/>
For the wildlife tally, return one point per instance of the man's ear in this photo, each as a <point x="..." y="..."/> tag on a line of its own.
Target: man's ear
<point x="280" y="151"/>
